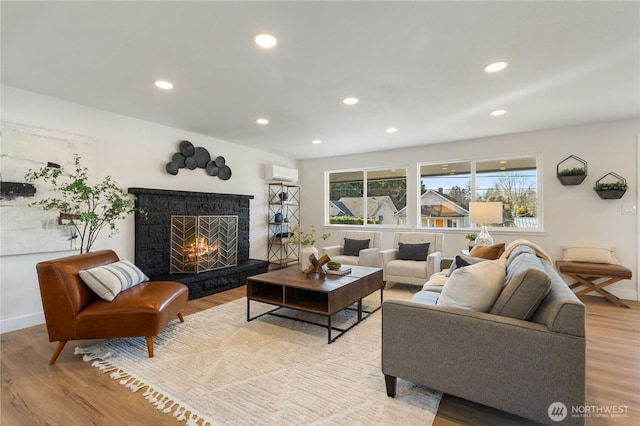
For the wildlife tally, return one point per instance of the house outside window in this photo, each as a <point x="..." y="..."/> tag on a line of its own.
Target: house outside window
<point x="447" y="188"/>
<point x="366" y="197"/>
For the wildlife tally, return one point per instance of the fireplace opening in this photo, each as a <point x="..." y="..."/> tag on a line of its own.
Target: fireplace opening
<point x="203" y="243"/>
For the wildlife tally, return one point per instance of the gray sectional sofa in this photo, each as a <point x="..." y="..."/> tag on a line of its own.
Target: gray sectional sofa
<point x="520" y="357"/>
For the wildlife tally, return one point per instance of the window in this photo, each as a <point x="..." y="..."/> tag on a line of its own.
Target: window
<point x="447" y="188"/>
<point x="367" y="197"/>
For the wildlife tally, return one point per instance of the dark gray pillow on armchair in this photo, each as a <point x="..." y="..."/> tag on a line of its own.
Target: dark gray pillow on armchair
<point x="353" y="247"/>
<point x="413" y="251"/>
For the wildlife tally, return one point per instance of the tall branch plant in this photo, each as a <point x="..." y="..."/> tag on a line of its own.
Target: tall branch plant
<point x="91" y="208"/>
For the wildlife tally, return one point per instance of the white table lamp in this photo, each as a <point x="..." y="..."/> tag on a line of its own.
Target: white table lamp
<point x="484" y="213"/>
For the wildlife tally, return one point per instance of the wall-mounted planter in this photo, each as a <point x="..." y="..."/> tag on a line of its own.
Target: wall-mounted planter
<point x="611" y="190"/>
<point x="572" y="176"/>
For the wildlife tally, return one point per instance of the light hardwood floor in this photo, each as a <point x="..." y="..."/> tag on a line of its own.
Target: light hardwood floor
<point x="71" y="392"/>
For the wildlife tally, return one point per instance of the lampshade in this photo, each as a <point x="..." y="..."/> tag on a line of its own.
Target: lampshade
<point x="485" y="212"/>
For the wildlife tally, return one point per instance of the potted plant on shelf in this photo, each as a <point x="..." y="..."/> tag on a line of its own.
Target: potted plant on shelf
<point x="89" y="209"/>
<point x="306" y="241"/>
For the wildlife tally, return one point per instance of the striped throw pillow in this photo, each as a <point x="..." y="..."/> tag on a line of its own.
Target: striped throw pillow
<point x="109" y="280"/>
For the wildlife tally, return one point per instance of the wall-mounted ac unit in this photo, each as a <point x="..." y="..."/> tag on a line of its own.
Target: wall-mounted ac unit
<point x="279" y="173"/>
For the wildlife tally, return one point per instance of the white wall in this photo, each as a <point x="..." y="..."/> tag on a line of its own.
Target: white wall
<point x="572" y="214"/>
<point x="134" y="153"/>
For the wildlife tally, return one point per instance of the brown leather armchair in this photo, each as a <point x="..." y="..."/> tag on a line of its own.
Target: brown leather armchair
<point x="73" y="311"/>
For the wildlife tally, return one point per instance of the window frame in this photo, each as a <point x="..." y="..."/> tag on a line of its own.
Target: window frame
<point x="473" y="161"/>
<point x="365" y="180"/>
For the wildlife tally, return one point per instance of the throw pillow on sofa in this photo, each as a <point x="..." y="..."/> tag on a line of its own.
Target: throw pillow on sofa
<point x="417" y="252"/>
<point x="463" y="260"/>
<point x="108" y="281"/>
<point x="474" y="287"/>
<point x="488" y="252"/>
<point x="523" y="294"/>
<point x="353" y="247"/>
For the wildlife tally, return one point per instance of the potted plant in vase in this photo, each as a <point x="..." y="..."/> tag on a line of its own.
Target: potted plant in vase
<point x="90" y="209"/>
<point x="306" y="241"/>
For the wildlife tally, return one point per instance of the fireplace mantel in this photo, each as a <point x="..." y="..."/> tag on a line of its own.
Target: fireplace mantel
<point x="153" y="236"/>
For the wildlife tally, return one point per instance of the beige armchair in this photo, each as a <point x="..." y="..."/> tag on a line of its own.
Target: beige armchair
<point x="369" y="256"/>
<point x="397" y="269"/>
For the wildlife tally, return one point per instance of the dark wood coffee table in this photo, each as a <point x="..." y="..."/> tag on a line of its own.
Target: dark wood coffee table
<point x="326" y="296"/>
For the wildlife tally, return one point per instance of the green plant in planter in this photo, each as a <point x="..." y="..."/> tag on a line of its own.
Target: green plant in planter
<point x="472" y="236"/>
<point x="334" y="265"/>
<point x="611" y="186"/>
<point x="90" y="208"/>
<point x="577" y="171"/>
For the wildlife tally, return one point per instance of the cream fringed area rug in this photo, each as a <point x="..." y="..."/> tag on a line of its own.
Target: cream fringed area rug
<point x="216" y="368"/>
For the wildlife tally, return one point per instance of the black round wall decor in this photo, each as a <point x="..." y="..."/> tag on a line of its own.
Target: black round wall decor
<point x="202" y="157"/>
<point x="172" y="168"/>
<point x="178" y="159"/>
<point x="187" y="149"/>
<point x="224" y="173"/>
<point x="191" y="157"/>
<point x="212" y="169"/>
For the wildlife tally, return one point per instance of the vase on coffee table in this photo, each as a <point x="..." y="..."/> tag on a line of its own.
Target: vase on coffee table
<point x="305" y="252"/>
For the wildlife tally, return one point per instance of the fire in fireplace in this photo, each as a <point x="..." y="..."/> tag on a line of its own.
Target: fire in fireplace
<point x="203" y="243"/>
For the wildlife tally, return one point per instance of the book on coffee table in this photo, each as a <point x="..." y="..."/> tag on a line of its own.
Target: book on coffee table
<point x="342" y="271"/>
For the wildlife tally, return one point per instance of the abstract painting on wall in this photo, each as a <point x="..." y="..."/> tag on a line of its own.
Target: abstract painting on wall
<point x="26" y="229"/>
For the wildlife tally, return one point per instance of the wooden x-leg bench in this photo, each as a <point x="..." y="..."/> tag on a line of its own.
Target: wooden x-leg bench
<point x="586" y="275"/>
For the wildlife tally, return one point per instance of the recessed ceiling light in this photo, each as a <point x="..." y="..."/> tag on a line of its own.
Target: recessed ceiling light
<point x="503" y="161"/>
<point x="265" y="40"/>
<point x="496" y="66"/>
<point x="498" y="112"/>
<point x="163" y="84"/>
<point x="350" y="101"/>
<point x="391" y="130"/>
<point x="316" y="141"/>
<point x="262" y="121"/>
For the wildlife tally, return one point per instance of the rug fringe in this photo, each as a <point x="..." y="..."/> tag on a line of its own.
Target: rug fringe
<point x="162" y="402"/>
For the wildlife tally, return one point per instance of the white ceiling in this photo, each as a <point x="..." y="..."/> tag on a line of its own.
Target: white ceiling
<point x="416" y="66"/>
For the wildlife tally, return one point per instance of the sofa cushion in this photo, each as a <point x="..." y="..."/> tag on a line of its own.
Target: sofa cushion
<point x="353" y="247"/>
<point x="526" y="285"/>
<point x="417" y="252"/>
<point x="488" y="252"/>
<point x="475" y="287"/>
<point x="517" y="251"/>
<point x="406" y="268"/>
<point x="108" y="281"/>
<point x="426" y="297"/>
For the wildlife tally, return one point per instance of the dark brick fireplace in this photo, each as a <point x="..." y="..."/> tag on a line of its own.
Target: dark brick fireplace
<point x="153" y="237"/>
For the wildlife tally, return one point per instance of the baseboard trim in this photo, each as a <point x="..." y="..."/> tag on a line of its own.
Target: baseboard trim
<point x="18" y="323"/>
